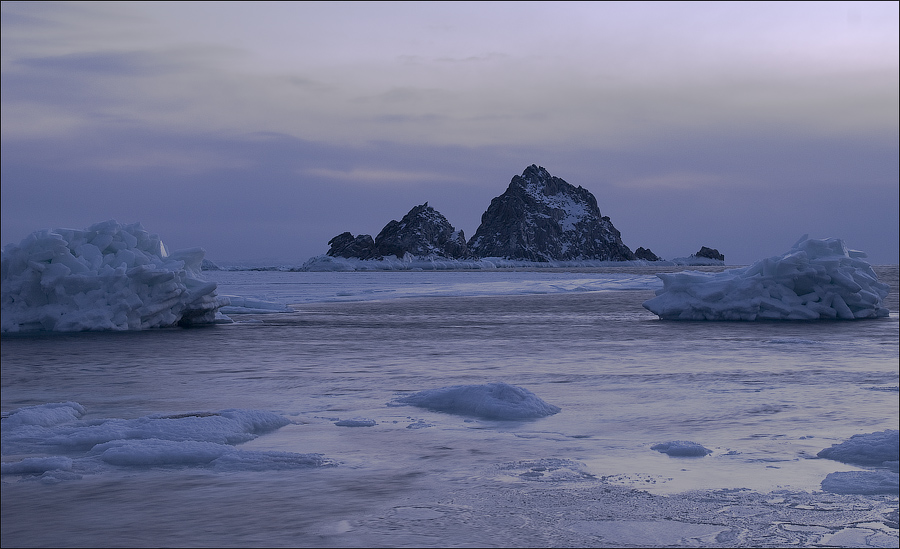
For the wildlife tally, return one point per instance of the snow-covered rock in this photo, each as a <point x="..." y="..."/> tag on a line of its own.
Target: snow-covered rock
<point x="106" y="277"/>
<point x="816" y="279"/>
<point x="543" y="218"/>
<point x="422" y="232"/>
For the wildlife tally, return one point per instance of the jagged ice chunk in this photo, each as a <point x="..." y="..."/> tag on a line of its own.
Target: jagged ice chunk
<point x="106" y="277"/>
<point x="816" y="279"/>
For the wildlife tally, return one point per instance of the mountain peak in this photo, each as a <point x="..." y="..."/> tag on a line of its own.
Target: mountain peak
<point x="422" y="232"/>
<point x="541" y="217"/>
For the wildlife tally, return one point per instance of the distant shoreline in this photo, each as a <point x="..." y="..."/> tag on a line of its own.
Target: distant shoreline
<point x="340" y="264"/>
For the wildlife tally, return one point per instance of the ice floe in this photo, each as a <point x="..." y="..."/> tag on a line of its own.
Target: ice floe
<point x="489" y="401"/>
<point x="106" y="277"/>
<point x="879" y="449"/>
<point x="247" y="305"/>
<point x="862" y="482"/>
<point x="816" y="279"/>
<point x="74" y="445"/>
<point x="356" y="423"/>
<point x="681" y="448"/>
<point x="870" y="449"/>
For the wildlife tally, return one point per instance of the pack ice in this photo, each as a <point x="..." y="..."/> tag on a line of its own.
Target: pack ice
<point x="816" y="279"/>
<point x="106" y="277"/>
<point x="490" y="401"/>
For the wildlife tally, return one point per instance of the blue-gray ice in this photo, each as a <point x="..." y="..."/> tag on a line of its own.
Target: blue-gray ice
<point x="489" y="401"/>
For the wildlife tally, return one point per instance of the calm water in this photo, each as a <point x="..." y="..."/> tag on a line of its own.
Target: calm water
<point x="765" y="397"/>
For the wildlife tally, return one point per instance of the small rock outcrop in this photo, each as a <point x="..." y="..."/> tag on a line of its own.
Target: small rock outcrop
<point x="423" y="232"/>
<point x="709" y="253"/>
<point x="207" y="265"/>
<point x="645" y="254"/>
<point x="543" y="218"/>
<point x="347" y="245"/>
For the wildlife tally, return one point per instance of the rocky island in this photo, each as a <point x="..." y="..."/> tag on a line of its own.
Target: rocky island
<point x="543" y="218"/>
<point x="423" y="232"/>
<point x="539" y="218"/>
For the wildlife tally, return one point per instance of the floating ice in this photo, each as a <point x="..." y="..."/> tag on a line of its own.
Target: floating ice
<point x="817" y="279"/>
<point x="681" y="448"/>
<point x="489" y="401"/>
<point x="59" y="425"/>
<point x="106" y="277"/>
<point x="36" y="465"/>
<point x="862" y="482"/>
<point x="355" y="423"/>
<point x="548" y="470"/>
<point x="247" y="305"/>
<point x="327" y="263"/>
<point x="191" y="439"/>
<point x="866" y="449"/>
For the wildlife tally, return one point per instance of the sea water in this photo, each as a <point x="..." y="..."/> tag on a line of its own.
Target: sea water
<point x="764" y="397"/>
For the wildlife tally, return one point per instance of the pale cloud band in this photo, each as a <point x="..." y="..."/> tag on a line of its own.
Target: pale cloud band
<point x="310" y="117"/>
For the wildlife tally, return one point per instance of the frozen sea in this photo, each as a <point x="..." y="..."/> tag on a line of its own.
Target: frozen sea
<point x="352" y="468"/>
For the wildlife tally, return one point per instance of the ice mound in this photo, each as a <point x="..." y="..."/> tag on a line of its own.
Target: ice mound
<point x="681" y="448"/>
<point x="816" y="279"/>
<point x="489" y="401"/>
<point x="356" y="423"/>
<point x="59" y="426"/>
<point x="553" y="470"/>
<point x="106" y="277"/>
<point x="862" y="482"/>
<point x="73" y="445"/>
<point x="870" y="449"/>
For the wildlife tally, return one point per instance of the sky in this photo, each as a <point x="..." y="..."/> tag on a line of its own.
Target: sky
<point x="258" y="131"/>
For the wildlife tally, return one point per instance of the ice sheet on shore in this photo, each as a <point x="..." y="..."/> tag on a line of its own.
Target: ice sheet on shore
<point x="326" y="263"/>
<point x="816" y="279"/>
<point x="74" y="446"/>
<point x="489" y="401"/>
<point x="106" y="277"/>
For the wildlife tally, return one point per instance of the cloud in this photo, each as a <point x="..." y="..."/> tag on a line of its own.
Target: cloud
<point x="380" y="177"/>
<point x="228" y="122"/>
<point x="606" y="86"/>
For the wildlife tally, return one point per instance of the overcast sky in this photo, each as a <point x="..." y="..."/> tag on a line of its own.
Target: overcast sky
<point x="259" y="131"/>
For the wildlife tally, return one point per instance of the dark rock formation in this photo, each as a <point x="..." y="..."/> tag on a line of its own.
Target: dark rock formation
<point x="645" y="254"/>
<point x="543" y="218"/>
<point x="346" y="245"/>
<point x="423" y="232"/>
<point x="709" y="253"/>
